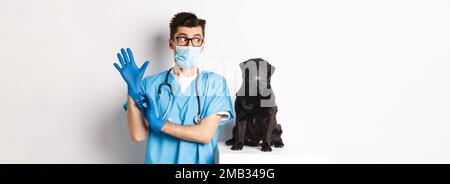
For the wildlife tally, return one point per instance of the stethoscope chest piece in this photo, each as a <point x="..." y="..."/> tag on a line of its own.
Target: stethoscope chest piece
<point x="197" y="120"/>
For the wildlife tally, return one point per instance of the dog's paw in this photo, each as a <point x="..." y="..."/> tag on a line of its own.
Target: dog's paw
<point x="278" y="144"/>
<point x="230" y="142"/>
<point x="237" y="146"/>
<point x="266" y="147"/>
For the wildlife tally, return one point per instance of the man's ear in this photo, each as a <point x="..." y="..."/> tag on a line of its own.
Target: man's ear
<point x="171" y="44"/>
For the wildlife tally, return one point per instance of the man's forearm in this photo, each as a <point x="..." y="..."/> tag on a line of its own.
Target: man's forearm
<point x="136" y="125"/>
<point x="201" y="133"/>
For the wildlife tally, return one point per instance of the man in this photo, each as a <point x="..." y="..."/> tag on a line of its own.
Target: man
<point x="179" y="111"/>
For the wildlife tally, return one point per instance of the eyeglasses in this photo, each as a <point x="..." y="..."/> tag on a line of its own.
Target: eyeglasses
<point x="184" y="41"/>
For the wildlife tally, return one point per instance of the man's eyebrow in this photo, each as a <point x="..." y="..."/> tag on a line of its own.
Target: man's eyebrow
<point x="182" y="34"/>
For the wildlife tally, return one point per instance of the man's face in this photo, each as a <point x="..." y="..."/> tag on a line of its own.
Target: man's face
<point x="184" y="34"/>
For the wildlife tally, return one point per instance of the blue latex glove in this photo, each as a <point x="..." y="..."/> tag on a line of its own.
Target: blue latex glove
<point x="132" y="75"/>
<point x="155" y="123"/>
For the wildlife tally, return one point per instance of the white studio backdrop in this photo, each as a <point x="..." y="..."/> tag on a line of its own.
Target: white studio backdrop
<point x="356" y="81"/>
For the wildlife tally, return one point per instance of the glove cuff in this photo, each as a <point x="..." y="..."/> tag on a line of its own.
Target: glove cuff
<point x="157" y="125"/>
<point x="139" y="100"/>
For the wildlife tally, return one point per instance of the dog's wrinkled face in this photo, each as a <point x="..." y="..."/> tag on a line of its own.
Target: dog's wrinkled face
<point x="256" y="74"/>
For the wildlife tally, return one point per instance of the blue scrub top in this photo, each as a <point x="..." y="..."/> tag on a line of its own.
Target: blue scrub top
<point x="214" y="97"/>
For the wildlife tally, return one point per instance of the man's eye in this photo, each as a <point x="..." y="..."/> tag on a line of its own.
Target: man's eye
<point x="182" y="39"/>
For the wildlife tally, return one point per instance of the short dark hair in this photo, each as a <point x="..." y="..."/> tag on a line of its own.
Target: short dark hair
<point x="185" y="19"/>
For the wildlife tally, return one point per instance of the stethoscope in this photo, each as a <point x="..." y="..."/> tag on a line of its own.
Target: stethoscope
<point x="197" y="119"/>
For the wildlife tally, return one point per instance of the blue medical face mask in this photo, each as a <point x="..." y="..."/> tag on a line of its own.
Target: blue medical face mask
<point x="187" y="56"/>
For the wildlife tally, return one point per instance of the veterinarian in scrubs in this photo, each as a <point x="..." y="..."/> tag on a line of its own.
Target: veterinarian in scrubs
<point x="179" y="111"/>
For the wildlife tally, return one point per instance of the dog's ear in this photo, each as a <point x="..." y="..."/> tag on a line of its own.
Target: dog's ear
<point x="270" y="69"/>
<point x="242" y="65"/>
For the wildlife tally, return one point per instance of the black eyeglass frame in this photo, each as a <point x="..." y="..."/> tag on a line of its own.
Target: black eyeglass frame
<point x="189" y="40"/>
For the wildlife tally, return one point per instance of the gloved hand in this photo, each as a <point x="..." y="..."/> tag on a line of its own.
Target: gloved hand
<point x="155" y="123"/>
<point x="132" y="75"/>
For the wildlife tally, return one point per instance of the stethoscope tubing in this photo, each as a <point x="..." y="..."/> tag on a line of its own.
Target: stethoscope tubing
<point x="197" y="118"/>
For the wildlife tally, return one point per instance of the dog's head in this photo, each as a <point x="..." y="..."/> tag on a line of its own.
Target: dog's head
<point x="256" y="74"/>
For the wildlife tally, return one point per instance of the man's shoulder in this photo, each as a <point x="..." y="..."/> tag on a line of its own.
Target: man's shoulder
<point x="209" y="75"/>
<point x="215" y="82"/>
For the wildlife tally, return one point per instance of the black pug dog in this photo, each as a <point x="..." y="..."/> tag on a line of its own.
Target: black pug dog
<point x="256" y="109"/>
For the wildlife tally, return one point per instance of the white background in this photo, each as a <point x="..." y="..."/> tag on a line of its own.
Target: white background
<point x="355" y="81"/>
